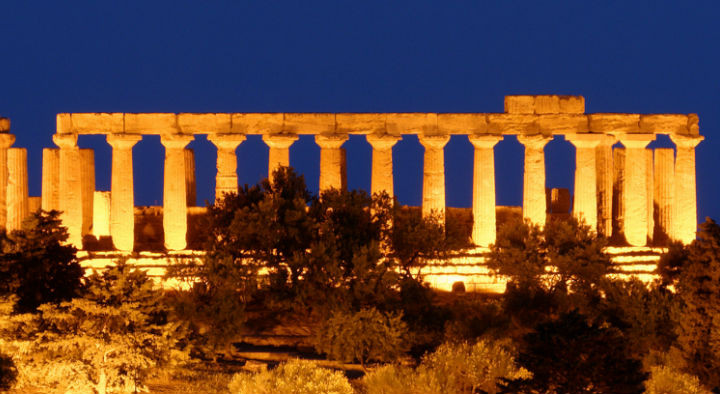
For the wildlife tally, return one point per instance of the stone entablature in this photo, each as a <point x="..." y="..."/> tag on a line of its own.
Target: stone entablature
<point x="618" y="190"/>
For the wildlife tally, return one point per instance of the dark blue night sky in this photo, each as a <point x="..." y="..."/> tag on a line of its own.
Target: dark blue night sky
<point x="361" y="56"/>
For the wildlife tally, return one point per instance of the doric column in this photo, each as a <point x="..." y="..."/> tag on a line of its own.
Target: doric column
<point x="663" y="195"/>
<point x="585" y="205"/>
<point x="17" y="188"/>
<point x="650" y="185"/>
<point x="332" y="161"/>
<point x="434" y="175"/>
<point x="279" y="155"/>
<point x="685" y="188"/>
<point x="382" y="163"/>
<point x="190" y="185"/>
<point x="604" y="177"/>
<point x="483" y="206"/>
<point x="226" y="180"/>
<point x="51" y="179"/>
<point x="6" y="141"/>
<point x="122" y="194"/>
<point x="174" y="191"/>
<point x="87" y="180"/>
<point x="635" y="188"/>
<point x="70" y="188"/>
<point x="101" y="214"/>
<point x="534" y="200"/>
<point x="618" y="199"/>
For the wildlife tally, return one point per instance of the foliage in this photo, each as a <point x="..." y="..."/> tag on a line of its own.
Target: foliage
<point x="569" y="355"/>
<point x="36" y="265"/>
<point x="362" y="336"/>
<point x="8" y="372"/>
<point x="667" y="380"/>
<point x="415" y="238"/>
<point x="390" y="379"/>
<point x="694" y="271"/>
<point x="292" y="377"/>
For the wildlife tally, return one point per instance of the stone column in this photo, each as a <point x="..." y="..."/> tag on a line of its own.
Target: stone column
<point x="101" y="214"/>
<point x="87" y="180"/>
<point x="618" y="199"/>
<point x="332" y="161"/>
<point x="604" y="176"/>
<point x="174" y="192"/>
<point x="433" y="201"/>
<point x="664" y="193"/>
<point x="483" y="206"/>
<point x="585" y="206"/>
<point x="279" y="155"/>
<point x="635" y="188"/>
<point x="122" y="194"/>
<point x="17" y="188"/>
<point x="650" y="185"/>
<point x="226" y="180"/>
<point x="382" y="163"/>
<point x="51" y="179"/>
<point x="685" y="188"/>
<point x="6" y="141"/>
<point x="190" y="185"/>
<point x="534" y="201"/>
<point x="70" y="188"/>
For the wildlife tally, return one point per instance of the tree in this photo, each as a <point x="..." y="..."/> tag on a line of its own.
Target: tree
<point x="8" y="372"/>
<point x="694" y="271"/>
<point x="37" y="265"/>
<point x="569" y="355"/>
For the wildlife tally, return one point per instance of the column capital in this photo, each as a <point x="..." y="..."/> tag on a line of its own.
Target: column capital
<point x="177" y="141"/>
<point x="330" y="141"/>
<point x="279" y="141"/>
<point x="433" y="141"/>
<point x="382" y="141"/>
<point x="6" y="140"/>
<point x="484" y="141"/>
<point x="122" y="141"/>
<point x="537" y="141"/>
<point x="226" y="141"/>
<point x="65" y="140"/>
<point x="586" y="140"/>
<point x="686" y="141"/>
<point x="633" y="140"/>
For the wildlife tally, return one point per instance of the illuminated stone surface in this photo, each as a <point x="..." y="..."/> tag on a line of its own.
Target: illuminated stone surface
<point x="585" y="205"/>
<point x="190" y="184"/>
<point x="685" y="221"/>
<point x="433" y="201"/>
<point x="279" y="155"/>
<point x="226" y="180"/>
<point x="101" y="216"/>
<point x="70" y="188"/>
<point x="51" y="179"/>
<point x="6" y="141"/>
<point x="87" y="181"/>
<point x="17" y="188"/>
<point x="483" y="207"/>
<point x="382" y="163"/>
<point x="635" y="195"/>
<point x="649" y="197"/>
<point x="122" y="194"/>
<point x="332" y="161"/>
<point x="34" y="204"/>
<point x="174" y="192"/>
<point x="604" y="176"/>
<point x="534" y="200"/>
<point x="618" y="201"/>
<point x="664" y="193"/>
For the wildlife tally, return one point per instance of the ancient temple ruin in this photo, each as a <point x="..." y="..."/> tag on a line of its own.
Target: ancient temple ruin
<point x="619" y="190"/>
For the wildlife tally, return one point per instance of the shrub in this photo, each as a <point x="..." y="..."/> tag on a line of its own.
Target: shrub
<point x="292" y="377"/>
<point x="389" y="379"/>
<point x="8" y="372"/>
<point x="362" y="336"/>
<point x="667" y="380"/>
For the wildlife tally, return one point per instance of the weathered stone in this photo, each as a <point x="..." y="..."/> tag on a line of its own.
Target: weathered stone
<point x="604" y="177"/>
<point x="122" y="200"/>
<point x="614" y="123"/>
<point x="483" y="206"/>
<point x="585" y="204"/>
<point x="34" y="204"/>
<point x="520" y="104"/>
<point x="332" y="161"/>
<point x="650" y="184"/>
<point x="70" y="187"/>
<point x="174" y="192"/>
<point x="17" y="188"/>
<point x="558" y="200"/>
<point x="664" y="193"/>
<point x="433" y="202"/>
<point x="87" y="181"/>
<point x="534" y="203"/>
<point x="635" y="203"/>
<point x="279" y="155"/>
<point x="618" y="196"/>
<point x="51" y="179"/>
<point x="190" y="184"/>
<point x="101" y="214"/>
<point x="382" y="163"/>
<point x="4" y="125"/>
<point x="6" y="141"/>
<point x="226" y="180"/>
<point x="685" y="188"/>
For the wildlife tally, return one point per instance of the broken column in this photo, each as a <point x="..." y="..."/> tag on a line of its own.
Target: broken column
<point x="663" y="194"/>
<point x="382" y="163"/>
<point x="685" y="188"/>
<point x="87" y="179"/>
<point x="190" y="185"/>
<point x="122" y="200"/>
<point x="585" y="205"/>
<point x="17" y="188"/>
<point x="279" y="155"/>
<point x="534" y="201"/>
<point x="51" y="179"/>
<point x="332" y="161"/>
<point x="604" y="178"/>
<point x="433" y="202"/>
<point x="635" y="188"/>
<point x="6" y="141"/>
<point x="226" y="180"/>
<point x="174" y="191"/>
<point x="70" y="187"/>
<point x="483" y="206"/>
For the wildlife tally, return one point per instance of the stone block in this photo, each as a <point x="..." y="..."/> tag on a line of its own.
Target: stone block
<point x="204" y="123"/>
<point x="34" y="204"/>
<point x="97" y="123"/>
<point x="4" y="124"/>
<point x="412" y="123"/>
<point x="63" y="123"/>
<point x="572" y="104"/>
<point x="614" y="123"/>
<point x="263" y="123"/>
<point x="309" y="123"/>
<point x="360" y="123"/>
<point x="512" y="124"/>
<point x="152" y="123"/>
<point x="521" y="104"/>
<point x="664" y="123"/>
<point x="547" y="104"/>
<point x="462" y="123"/>
<point x="562" y="124"/>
